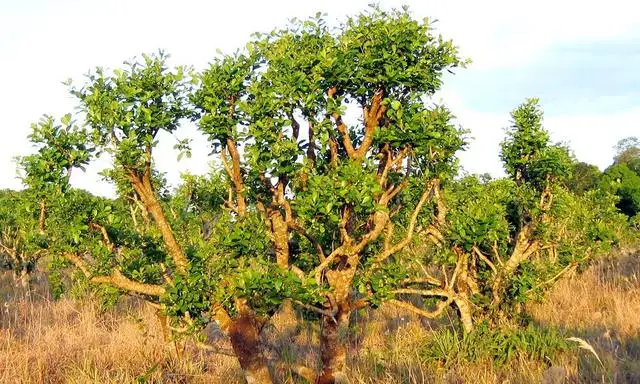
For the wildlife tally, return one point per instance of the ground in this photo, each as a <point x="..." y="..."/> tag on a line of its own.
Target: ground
<point x="77" y="341"/>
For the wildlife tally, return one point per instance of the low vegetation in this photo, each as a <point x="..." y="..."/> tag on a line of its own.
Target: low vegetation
<point x="125" y="344"/>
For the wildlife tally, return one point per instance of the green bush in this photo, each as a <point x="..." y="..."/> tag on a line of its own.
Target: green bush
<point x="498" y="346"/>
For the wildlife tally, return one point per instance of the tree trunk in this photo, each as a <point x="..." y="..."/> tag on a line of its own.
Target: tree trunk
<point x="333" y="352"/>
<point x="22" y="278"/>
<point x="151" y="203"/>
<point x="245" y="340"/>
<point x="464" y="309"/>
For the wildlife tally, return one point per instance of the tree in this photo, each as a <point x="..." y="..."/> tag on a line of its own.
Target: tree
<point x="46" y="173"/>
<point x="624" y="183"/>
<point x="277" y="117"/>
<point x="20" y="244"/>
<point x="333" y="171"/>
<point x="504" y="239"/>
<point x="628" y="153"/>
<point x="584" y="177"/>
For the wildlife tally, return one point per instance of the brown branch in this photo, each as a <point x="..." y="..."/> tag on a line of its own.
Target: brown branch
<point x="311" y="153"/>
<point x="105" y="235"/>
<point x="237" y="177"/>
<point x="422" y="292"/>
<point x="434" y="235"/>
<point x="297" y="271"/>
<point x="317" y="272"/>
<point x="484" y="258"/>
<point x="496" y="253"/>
<point x="295" y="126"/>
<point x="298" y="228"/>
<point x="572" y="266"/>
<point x="460" y="261"/>
<point x="344" y="222"/>
<point x="116" y="279"/>
<point x="145" y="190"/>
<point x="323" y="312"/>
<point x="425" y="280"/>
<point x="421" y="312"/>
<point x="342" y="128"/>
<point x="388" y="236"/>
<point x="441" y="209"/>
<point x="333" y="152"/>
<point x="410" y="231"/>
<point x="374" y="114"/>
<point x="380" y="219"/>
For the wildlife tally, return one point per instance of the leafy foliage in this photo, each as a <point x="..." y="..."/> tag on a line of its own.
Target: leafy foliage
<point x="497" y="346"/>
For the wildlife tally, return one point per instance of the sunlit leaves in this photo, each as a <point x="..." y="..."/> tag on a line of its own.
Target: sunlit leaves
<point x="128" y="107"/>
<point x="60" y="149"/>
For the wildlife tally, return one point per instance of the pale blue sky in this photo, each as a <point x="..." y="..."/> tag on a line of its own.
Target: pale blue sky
<point x="581" y="58"/>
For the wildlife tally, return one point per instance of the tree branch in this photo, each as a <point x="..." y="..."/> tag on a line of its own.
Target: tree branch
<point x="323" y="312"/>
<point x="374" y="114"/>
<point x="151" y="203"/>
<point x="298" y="228"/>
<point x="116" y="279"/>
<point x="342" y="128"/>
<point x="105" y="235"/>
<point x="421" y="312"/>
<point x="412" y="224"/>
<point x="317" y="272"/>
<point x="423" y="292"/>
<point x="484" y="258"/>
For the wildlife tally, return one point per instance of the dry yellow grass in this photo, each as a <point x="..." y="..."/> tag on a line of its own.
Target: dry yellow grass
<point x="66" y="342"/>
<point x="602" y="306"/>
<point x="42" y="341"/>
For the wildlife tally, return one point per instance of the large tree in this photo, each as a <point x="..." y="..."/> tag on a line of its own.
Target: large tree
<point x="333" y="169"/>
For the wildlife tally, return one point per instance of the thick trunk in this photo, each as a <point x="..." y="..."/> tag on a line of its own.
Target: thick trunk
<point x="333" y="352"/>
<point x="523" y="249"/>
<point x="151" y="203"/>
<point x="280" y="232"/>
<point x="245" y="339"/>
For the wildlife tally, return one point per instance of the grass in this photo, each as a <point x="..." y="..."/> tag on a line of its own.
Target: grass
<point x="71" y="341"/>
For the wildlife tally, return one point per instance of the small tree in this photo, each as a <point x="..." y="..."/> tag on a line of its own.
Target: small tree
<point x="628" y="152"/>
<point x="59" y="149"/>
<point x="624" y="183"/>
<point x="20" y="242"/>
<point x="584" y="177"/>
<point x="502" y="240"/>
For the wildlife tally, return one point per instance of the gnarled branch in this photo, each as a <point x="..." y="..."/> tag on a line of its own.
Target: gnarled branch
<point x="116" y="278"/>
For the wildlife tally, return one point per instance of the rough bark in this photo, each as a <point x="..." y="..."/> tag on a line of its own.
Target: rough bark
<point x="333" y="353"/>
<point x="245" y="340"/>
<point x="244" y="333"/>
<point x="116" y="278"/>
<point x="144" y="189"/>
<point x="523" y="249"/>
<point x="280" y="232"/>
<point x="464" y="309"/>
<point x="236" y="177"/>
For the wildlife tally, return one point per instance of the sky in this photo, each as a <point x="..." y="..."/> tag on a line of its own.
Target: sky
<point x="581" y="58"/>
